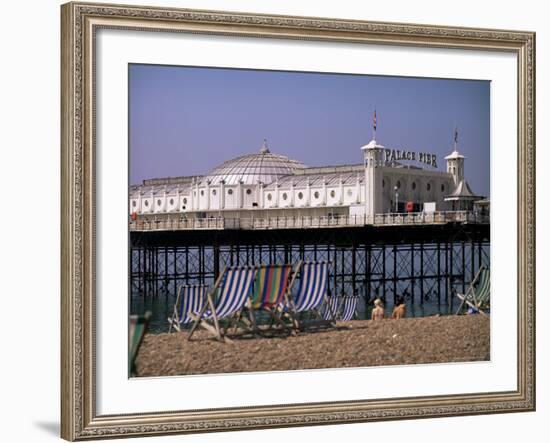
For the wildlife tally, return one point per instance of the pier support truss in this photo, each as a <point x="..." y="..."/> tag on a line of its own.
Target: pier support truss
<point x="422" y="264"/>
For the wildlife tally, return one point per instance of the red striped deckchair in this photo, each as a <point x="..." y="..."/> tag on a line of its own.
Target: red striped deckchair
<point x="270" y="286"/>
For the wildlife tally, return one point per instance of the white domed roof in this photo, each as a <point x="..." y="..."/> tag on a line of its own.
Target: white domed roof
<point x="252" y="169"/>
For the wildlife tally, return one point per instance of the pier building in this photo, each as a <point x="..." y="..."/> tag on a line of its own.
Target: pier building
<point x="254" y="189"/>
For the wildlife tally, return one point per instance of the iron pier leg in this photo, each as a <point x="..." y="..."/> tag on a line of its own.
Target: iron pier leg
<point x="421" y="273"/>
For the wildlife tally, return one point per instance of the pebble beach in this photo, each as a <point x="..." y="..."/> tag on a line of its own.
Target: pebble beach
<point x="361" y="343"/>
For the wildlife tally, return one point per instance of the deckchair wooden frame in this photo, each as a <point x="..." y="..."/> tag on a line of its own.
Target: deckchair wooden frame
<point x="215" y="329"/>
<point x="471" y="292"/>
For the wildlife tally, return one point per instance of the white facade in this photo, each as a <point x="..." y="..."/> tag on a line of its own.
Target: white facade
<point x="270" y="185"/>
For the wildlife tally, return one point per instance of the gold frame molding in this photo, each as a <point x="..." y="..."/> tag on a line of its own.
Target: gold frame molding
<point x="79" y="22"/>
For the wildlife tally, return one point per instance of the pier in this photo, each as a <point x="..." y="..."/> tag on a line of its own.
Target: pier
<point x="420" y="256"/>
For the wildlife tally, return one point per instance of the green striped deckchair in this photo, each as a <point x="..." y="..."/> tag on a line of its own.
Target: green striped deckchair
<point x="478" y="295"/>
<point x="136" y="330"/>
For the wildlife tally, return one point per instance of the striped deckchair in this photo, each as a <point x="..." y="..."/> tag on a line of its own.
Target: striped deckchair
<point x="349" y="307"/>
<point x="270" y="287"/>
<point x="189" y="301"/>
<point x="137" y="326"/>
<point x="232" y="289"/>
<point x="313" y="286"/>
<point x="331" y="308"/>
<point x="477" y="297"/>
<point x="312" y="290"/>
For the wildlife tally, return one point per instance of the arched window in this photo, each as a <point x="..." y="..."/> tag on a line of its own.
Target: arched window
<point x="316" y="194"/>
<point x="269" y="197"/>
<point x="333" y="193"/>
<point x="300" y="195"/>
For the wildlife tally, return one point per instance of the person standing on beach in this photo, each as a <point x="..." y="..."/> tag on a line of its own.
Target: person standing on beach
<point x="399" y="309"/>
<point x="378" y="311"/>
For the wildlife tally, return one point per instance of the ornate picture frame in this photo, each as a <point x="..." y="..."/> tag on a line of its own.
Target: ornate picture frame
<point x="80" y="22"/>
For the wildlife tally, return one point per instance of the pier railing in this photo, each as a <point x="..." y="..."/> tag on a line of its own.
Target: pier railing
<point x="173" y="222"/>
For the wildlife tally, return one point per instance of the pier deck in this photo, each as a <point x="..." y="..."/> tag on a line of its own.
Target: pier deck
<point x="178" y="222"/>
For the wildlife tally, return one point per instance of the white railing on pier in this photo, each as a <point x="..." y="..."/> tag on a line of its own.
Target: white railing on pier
<point x="174" y="222"/>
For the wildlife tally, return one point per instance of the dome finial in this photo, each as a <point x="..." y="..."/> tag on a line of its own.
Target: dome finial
<point x="265" y="149"/>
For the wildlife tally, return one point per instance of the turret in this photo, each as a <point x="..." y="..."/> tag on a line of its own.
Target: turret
<point x="455" y="163"/>
<point x="373" y="155"/>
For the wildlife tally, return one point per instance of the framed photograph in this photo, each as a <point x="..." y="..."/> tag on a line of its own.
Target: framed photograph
<point x="277" y="221"/>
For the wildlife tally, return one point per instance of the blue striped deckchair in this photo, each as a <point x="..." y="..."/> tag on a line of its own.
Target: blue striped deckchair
<point x="312" y="290"/>
<point x="189" y="301"/>
<point x="331" y="308"/>
<point x="349" y="307"/>
<point x="313" y="286"/>
<point x="233" y="287"/>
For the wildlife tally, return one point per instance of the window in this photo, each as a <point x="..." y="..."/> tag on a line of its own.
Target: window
<point x="202" y="192"/>
<point x="333" y="193"/>
<point x="316" y="194"/>
<point x="269" y="197"/>
<point x="134" y="204"/>
<point x="159" y="202"/>
<point x="214" y="192"/>
<point x="350" y="192"/>
<point x="442" y="188"/>
<point x="428" y="187"/>
<point x="171" y="201"/>
<point x="383" y="183"/>
<point x="146" y="202"/>
<point x="300" y="195"/>
<point x="398" y="184"/>
<point x="249" y="191"/>
<point x="184" y="201"/>
<point x="230" y="192"/>
<point x="414" y="185"/>
<point x="284" y="196"/>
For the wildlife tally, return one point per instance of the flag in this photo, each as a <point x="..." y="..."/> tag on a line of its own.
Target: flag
<point x="456" y="135"/>
<point x="374" y="120"/>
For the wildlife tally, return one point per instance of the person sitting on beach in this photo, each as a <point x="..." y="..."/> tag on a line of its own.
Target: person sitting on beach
<point x="399" y="309"/>
<point x="378" y="311"/>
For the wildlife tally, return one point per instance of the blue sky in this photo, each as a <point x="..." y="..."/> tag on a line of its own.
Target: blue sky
<point x="187" y="120"/>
